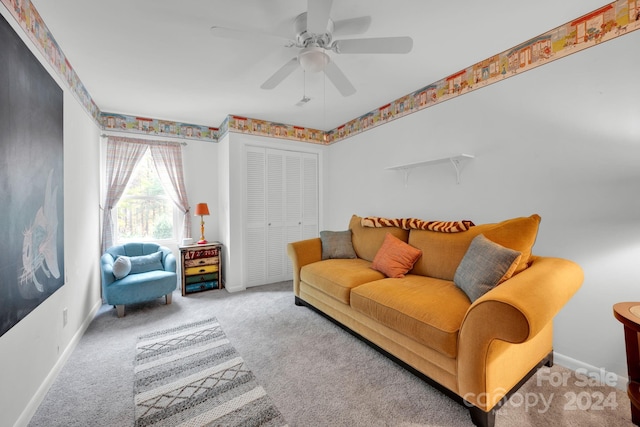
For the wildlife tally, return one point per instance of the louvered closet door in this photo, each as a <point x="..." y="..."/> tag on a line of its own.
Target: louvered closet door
<point x="289" y="200"/>
<point x="293" y="206"/>
<point x="276" y="188"/>
<point x="256" y="215"/>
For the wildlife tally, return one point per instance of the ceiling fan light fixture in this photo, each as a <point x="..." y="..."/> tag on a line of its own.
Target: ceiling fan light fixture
<point x="313" y="59"/>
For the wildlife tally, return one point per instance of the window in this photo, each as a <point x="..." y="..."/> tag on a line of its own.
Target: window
<point x="145" y="211"/>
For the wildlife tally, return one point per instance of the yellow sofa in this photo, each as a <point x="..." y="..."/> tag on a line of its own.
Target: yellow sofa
<point x="476" y="352"/>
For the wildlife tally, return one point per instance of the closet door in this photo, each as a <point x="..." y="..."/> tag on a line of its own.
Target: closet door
<point x="293" y="202"/>
<point x="256" y="213"/>
<point x="276" y="189"/>
<point x="282" y="207"/>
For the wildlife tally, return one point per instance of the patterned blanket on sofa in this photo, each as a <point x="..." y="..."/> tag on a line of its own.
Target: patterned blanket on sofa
<point x="417" y="224"/>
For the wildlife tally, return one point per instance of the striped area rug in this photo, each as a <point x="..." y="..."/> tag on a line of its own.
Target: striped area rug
<point x="192" y="376"/>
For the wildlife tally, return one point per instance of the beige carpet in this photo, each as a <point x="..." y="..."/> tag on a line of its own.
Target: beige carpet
<point x="315" y="373"/>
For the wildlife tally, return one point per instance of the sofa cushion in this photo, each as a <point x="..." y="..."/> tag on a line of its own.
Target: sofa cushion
<point x="336" y="277"/>
<point x="337" y="244"/>
<point x="395" y="257"/>
<point x="367" y="240"/>
<point x="428" y="310"/>
<point x="121" y="267"/>
<point x="443" y="252"/>
<point x="518" y="234"/>
<point x="144" y="263"/>
<point x="485" y="265"/>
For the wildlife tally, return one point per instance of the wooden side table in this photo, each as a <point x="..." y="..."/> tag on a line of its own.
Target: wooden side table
<point x="628" y="313"/>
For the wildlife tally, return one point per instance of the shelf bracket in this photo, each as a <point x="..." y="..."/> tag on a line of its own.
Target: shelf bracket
<point x="456" y="165"/>
<point x="405" y="175"/>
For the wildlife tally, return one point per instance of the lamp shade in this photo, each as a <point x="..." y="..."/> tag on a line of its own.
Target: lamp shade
<point x="202" y="209"/>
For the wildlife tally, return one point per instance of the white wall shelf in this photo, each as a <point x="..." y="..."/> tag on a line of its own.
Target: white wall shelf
<point x="454" y="160"/>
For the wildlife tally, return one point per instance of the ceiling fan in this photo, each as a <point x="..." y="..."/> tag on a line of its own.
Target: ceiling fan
<point x="314" y="31"/>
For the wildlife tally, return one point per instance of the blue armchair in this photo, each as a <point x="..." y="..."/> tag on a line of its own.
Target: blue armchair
<point x="137" y="272"/>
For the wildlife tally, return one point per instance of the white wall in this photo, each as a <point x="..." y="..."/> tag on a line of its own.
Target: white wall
<point x="563" y="141"/>
<point x="201" y="175"/>
<point x="32" y="352"/>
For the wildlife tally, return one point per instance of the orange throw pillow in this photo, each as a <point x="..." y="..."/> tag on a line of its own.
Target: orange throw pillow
<point x="395" y="257"/>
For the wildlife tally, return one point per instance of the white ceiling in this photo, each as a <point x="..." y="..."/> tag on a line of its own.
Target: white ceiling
<point x="158" y="59"/>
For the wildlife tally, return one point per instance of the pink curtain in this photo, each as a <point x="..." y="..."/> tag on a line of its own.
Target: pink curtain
<point x="167" y="158"/>
<point x="123" y="154"/>
<point x="122" y="158"/>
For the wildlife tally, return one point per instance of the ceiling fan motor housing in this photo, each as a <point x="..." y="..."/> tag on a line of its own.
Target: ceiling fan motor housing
<point x="307" y="39"/>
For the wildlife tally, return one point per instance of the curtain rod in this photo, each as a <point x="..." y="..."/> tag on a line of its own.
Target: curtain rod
<point x="104" y="135"/>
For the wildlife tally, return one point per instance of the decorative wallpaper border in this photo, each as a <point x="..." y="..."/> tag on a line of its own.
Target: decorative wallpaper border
<point x="147" y="126"/>
<point x="239" y="124"/>
<point x="606" y="23"/>
<point x="603" y="24"/>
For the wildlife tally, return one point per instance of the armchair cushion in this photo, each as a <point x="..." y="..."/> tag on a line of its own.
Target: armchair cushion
<point x="144" y="263"/>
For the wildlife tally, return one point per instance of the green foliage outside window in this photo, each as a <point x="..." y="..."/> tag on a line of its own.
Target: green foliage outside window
<point x="145" y="212"/>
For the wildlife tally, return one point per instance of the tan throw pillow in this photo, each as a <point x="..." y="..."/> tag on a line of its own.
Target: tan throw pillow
<point x="395" y="257"/>
<point x="485" y="265"/>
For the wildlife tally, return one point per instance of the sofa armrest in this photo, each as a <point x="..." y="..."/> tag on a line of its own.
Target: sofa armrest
<point x="515" y="312"/>
<point x="302" y="253"/>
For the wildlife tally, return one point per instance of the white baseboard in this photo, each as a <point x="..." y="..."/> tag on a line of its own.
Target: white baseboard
<point x="573" y="364"/>
<point x="40" y="394"/>
<point x="233" y="289"/>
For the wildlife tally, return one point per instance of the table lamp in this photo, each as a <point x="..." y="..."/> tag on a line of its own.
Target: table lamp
<point x="202" y="209"/>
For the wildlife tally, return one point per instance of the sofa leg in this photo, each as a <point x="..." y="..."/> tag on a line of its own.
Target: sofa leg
<point x="168" y="298"/>
<point x="481" y="418"/>
<point x="299" y="302"/>
<point x="120" y="309"/>
<point x="549" y="362"/>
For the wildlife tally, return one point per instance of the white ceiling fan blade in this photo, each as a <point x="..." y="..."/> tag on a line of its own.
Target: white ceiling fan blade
<point x="318" y="15"/>
<point x="339" y="80"/>
<point x="250" y="35"/>
<point x="374" y="45"/>
<point x="281" y="74"/>
<point x="348" y="27"/>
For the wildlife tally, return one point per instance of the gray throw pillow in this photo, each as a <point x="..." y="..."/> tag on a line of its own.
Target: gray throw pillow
<point x="144" y="263"/>
<point x="485" y="265"/>
<point x="337" y="244"/>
